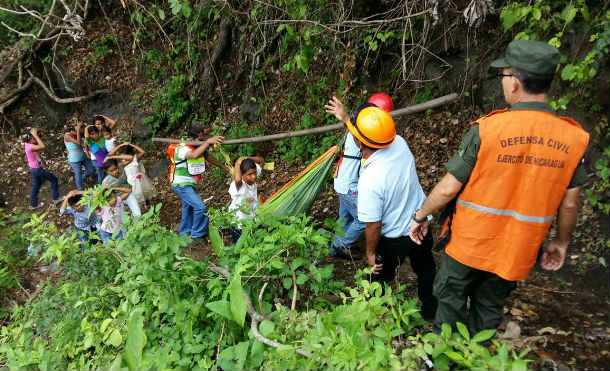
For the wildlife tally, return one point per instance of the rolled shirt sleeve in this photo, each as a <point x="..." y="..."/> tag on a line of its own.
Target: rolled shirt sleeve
<point x="463" y="161"/>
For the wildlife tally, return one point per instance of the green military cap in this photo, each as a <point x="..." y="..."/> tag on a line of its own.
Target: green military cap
<point x="529" y="55"/>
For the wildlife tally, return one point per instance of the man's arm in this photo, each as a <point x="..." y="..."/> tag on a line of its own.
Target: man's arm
<point x="554" y="252"/>
<point x="441" y="195"/>
<point x="202" y="148"/>
<point x="372" y="234"/>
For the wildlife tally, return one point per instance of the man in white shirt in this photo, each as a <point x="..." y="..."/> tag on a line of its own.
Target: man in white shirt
<point x="345" y="180"/>
<point x="388" y="194"/>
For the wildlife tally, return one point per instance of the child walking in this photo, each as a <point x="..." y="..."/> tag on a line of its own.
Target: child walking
<point x="111" y="216"/>
<point x="76" y="155"/>
<point x="33" y="146"/>
<point x="110" y="141"/>
<point x="96" y="145"/>
<point x="113" y="179"/>
<point x="243" y="190"/>
<point x="84" y="221"/>
<point x="129" y="156"/>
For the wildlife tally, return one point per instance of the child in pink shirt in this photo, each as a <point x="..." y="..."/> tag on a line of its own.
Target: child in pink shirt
<point x="32" y="147"/>
<point x="112" y="216"/>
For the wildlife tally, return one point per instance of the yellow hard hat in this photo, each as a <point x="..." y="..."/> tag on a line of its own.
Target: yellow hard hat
<point x="373" y="126"/>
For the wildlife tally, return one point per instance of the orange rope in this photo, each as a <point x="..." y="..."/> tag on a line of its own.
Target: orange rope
<point x="320" y="159"/>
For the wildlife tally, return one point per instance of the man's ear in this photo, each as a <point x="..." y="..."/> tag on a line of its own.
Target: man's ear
<point x="515" y="85"/>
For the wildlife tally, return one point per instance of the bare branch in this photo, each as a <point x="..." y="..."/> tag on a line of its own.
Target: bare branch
<point x="26" y="34"/>
<point x="294" y="292"/>
<point x="260" y="298"/>
<point x="65" y="100"/>
<point x="44" y="22"/>
<point x="255" y="316"/>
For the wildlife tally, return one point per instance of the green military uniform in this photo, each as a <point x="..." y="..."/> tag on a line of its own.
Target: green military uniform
<point x="455" y="281"/>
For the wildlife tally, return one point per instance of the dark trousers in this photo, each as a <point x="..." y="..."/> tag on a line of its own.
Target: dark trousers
<point x="455" y="283"/>
<point x="235" y="234"/>
<point x="391" y="252"/>
<point x="39" y="176"/>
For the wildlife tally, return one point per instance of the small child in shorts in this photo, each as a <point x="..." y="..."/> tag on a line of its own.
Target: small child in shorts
<point x="243" y="190"/>
<point x="84" y="222"/>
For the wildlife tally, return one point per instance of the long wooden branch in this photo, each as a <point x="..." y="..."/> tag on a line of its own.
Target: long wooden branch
<point x="323" y="129"/>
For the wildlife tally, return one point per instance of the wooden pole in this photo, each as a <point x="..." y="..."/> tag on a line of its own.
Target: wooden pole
<point x="399" y="112"/>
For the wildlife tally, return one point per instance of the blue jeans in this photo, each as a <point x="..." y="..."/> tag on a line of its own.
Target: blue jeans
<point x="39" y="175"/>
<point x="83" y="237"/>
<point x="77" y="169"/>
<point x="194" y="212"/>
<point x="99" y="170"/>
<point x="107" y="236"/>
<point x="353" y="228"/>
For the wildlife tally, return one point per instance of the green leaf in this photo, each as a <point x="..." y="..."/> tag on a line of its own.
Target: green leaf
<point x="508" y="18"/>
<point x="536" y="13"/>
<point x="456" y="357"/>
<point x="238" y="300"/>
<point x="287" y="283"/>
<point x="463" y="330"/>
<point x="266" y="327"/>
<point x="221" y="307"/>
<point x="446" y="331"/>
<point x="161" y="14"/>
<point x="105" y="324"/>
<point x="116" y="364"/>
<point x="301" y="279"/>
<point x="115" y="338"/>
<point x="379" y="332"/>
<point x="215" y="239"/>
<point x="234" y="358"/>
<point x="568" y="13"/>
<point x="136" y="339"/>
<point x="296" y="263"/>
<point x="483" y="335"/>
<point x="519" y="365"/>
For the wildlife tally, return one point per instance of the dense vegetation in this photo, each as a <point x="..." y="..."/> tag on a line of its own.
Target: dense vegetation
<point x="141" y="304"/>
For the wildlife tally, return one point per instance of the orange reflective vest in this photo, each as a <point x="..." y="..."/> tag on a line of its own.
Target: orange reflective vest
<point x="524" y="166"/>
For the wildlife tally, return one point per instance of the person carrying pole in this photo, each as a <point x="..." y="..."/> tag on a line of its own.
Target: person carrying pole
<point x="389" y="192"/>
<point x="188" y="163"/>
<point x="514" y="170"/>
<point x="345" y="180"/>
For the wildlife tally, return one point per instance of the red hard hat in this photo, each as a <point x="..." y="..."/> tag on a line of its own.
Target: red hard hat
<point x="383" y="101"/>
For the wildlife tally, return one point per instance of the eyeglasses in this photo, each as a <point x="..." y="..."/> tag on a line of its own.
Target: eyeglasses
<point x="501" y="75"/>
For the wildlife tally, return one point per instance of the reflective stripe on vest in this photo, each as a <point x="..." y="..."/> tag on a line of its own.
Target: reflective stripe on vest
<point x="513" y="213"/>
<point x="523" y="167"/>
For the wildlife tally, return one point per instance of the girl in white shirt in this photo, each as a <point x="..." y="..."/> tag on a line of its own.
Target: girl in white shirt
<point x="243" y="190"/>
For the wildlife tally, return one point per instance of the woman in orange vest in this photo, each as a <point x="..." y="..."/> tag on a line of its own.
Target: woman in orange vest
<point x="514" y="170"/>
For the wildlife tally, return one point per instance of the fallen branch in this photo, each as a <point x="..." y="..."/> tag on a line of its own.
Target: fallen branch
<point x="323" y="129"/>
<point x="255" y="316"/>
<point x="66" y="100"/>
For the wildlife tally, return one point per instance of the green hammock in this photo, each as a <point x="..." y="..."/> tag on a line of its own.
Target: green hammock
<point x="297" y="195"/>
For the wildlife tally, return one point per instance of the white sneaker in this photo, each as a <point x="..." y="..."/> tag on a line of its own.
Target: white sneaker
<point x="41" y="204"/>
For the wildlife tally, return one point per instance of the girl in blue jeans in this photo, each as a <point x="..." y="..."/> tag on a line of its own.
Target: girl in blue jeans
<point x="76" y="155"/>
<point x="32" y="147"/>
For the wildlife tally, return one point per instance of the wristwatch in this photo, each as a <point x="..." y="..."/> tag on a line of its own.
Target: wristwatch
<point x="421" y="220"/>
